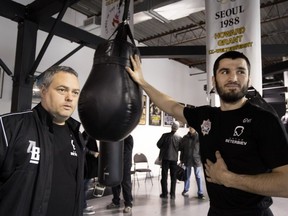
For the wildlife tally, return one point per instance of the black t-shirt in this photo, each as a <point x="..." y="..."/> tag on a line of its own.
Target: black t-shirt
<point x="250" y="140"/>
<point x="63" y="192"/>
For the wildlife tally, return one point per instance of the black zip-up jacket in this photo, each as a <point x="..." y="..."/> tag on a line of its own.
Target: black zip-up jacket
<point x="26" y="175"/>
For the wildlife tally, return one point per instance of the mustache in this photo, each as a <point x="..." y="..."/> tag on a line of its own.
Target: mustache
<point x="233" y="83"/>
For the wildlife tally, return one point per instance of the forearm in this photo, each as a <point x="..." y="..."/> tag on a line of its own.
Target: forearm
<point x="163" y="101"/>
<point x="267" y="184"/>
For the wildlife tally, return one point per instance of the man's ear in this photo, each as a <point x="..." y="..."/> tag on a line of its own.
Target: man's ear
<point x="249" y="82"/>
<point x="43" y="90"/>
<point x="213" y="82"/>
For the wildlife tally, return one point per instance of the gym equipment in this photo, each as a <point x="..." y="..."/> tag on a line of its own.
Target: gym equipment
<point x="110" y="171"/>
<point x="110" y="103"/>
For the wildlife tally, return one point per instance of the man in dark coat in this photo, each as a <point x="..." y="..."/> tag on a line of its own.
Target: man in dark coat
<point x="190" y="157"/>
<point x="168" y="145"/>
<point x="41" y="152"/>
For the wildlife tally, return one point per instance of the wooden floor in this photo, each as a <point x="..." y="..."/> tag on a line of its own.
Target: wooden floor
<point x="147" y="202"/>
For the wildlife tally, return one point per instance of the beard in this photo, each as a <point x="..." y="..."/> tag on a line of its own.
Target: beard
<point x="231" y="96"/>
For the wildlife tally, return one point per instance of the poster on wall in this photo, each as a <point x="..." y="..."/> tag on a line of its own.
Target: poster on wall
<point x="154" y="114"/>
<point x="143" y="116"/>
<point x="167" y="119"/>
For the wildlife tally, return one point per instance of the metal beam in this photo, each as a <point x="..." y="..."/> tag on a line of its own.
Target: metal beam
<point x="16" y="11"/>
<point x="25" y="56"/>
<point x="69" y="55"/>
<point x="172" y="52"/>
<point x="151" y="4"/>
<point x="49" y="38"/>
<point x="12" y="10"/>
<point x="5" y="68"/>
<point x="72" y="33"/>
<point x="43" y="9"/>
<point x="189" y="51"/>
<point x="275" y="69"/>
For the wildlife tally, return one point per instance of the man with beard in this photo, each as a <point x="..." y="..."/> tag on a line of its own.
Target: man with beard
<point x="245" y="161"/>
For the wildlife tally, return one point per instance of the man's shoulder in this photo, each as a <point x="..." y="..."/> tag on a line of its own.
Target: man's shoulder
<point x="15" y="115"/>
<point x="166" y="134"/>
<point x="196" y="111"/>
<point x="13" y="122"/>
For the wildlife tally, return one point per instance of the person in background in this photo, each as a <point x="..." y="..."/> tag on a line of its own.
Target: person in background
<point x="190" y="157"/>
<point x="239" y="141"/>
<point x="91" y="169"/>
<point x="126" y="183"/>
<point x="41" y="152"/>
<point x="169" y="145"/>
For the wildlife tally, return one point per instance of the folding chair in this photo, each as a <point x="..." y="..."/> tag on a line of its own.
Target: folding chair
<point x="141" y="165"/>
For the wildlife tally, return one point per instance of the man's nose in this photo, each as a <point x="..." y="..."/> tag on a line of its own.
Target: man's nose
<point x="233" y="76"/>
<point x="69" y="96"/>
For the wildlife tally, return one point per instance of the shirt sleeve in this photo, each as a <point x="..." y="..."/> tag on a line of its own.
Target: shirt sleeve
<point x="272" y="141"/>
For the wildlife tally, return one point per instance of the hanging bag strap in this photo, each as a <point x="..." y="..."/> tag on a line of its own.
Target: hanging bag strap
<point x="126" y="9"/>
<point x="123" y="29"/>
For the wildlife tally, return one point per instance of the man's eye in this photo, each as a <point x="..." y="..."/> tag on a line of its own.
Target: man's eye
<point x="76" y="93"/>
<point x="61" y="90"/>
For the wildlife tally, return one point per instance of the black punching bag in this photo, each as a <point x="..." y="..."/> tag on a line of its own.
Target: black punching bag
<point x="110" y="171"/>
<point x="110" y="103"/>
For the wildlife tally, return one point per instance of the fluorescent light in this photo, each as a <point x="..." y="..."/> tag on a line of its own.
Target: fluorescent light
<point x="141" y="17"/>
<point x="180" y="9"/>
<point x="171" y="12"/>
<point x="157" y="16"/>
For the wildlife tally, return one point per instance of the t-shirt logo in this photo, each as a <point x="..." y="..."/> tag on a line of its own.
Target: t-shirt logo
<point x="73" y="153"/>
<point x="205" y="127"/>
<point x="238" y="131"/>
<point x="35" y="152"/>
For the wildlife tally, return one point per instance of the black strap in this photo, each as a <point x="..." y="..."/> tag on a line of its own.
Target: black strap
<point x="255" y="98"/>
<point x="126" y="9"/>
<point x="123" y="27"/>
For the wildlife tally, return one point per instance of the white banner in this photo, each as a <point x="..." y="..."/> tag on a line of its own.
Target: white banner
<point x="112" y="14"/>
<point x="234" y="25"/>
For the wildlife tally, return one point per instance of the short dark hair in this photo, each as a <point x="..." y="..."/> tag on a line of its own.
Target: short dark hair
<point x="230" y="55"/>
<point x="45" y="78"/>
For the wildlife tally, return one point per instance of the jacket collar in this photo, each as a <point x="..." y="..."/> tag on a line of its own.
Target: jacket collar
<point x="46" y="119"/>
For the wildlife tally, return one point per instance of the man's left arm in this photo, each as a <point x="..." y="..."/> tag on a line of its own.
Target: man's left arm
<point x="266" y="184"/>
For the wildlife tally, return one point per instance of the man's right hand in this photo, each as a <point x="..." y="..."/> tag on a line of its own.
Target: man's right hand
<point x="136" y="73"/>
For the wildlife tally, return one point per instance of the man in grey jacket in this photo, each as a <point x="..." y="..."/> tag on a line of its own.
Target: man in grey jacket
<point x="190" y="157"/>
<point x="169" y="145"/>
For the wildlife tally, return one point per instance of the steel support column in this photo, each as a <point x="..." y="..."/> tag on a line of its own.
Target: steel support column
<point x="25" y="57"/>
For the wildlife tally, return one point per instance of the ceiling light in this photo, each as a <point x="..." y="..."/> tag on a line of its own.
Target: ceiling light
<point x="170" y="12"/>
<point x="180" y="9"/>
<point x="157" y="16"/>
<point x="141" y="17"/>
